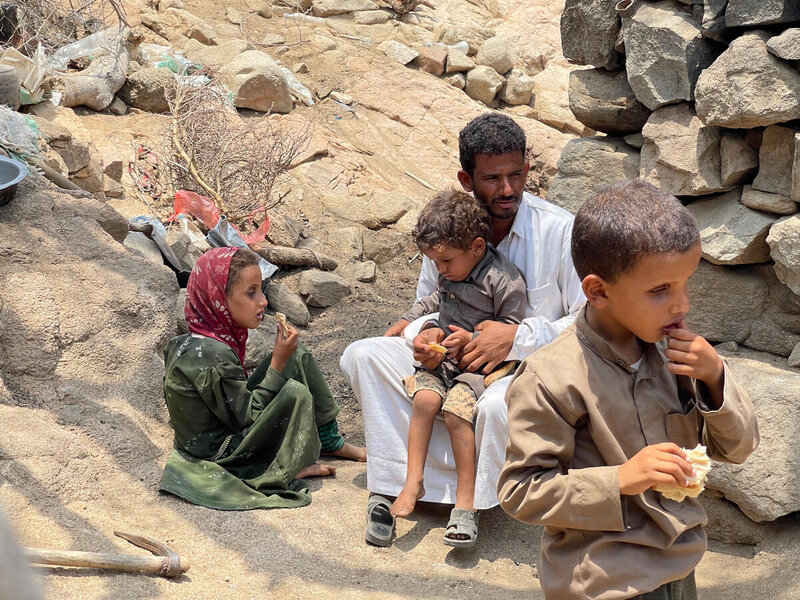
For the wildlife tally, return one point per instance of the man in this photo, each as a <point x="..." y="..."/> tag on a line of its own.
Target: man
<point x="535" y="236"/>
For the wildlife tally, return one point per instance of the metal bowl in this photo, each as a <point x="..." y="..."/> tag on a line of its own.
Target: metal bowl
<point x="11" y="173"/>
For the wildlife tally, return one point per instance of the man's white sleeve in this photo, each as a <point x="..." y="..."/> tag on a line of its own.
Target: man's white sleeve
<point x="428" y="279"/>
<point x="535" y="332"/>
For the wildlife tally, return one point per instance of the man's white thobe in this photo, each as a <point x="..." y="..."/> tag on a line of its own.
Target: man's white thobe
<point x="539" y="244"/>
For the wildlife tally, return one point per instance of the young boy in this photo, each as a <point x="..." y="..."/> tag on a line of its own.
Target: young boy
<point x="476" y="284"/>
<point x="599" y="416"/>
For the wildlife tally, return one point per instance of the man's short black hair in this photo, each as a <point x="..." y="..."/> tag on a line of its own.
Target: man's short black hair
<point x="490" y="133"/>
<point x="625" y="221"/>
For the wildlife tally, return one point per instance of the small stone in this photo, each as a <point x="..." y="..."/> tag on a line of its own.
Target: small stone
<point x="771" y="203"/>
<point x="384" y="245"/>
<point x="322" y="289"/>
<point x="400" y="52"/>
<point x="497" y="53"/>
<point x="458" y="62"/>
<point x="386" y="209"/>
<point x="365" y="272"/>
<point x="372" y="17"/>
<point x="283" y="230"/>
<point x="343" y="98"/>
<point x="518" y="88"/>
<point x="328" y="8"/>
<point x="794" y="357"/>
<point x="347" y="241"/>
<point x="786" y="45"/>
<point x="775" y="159"/>
<point x="457" y="80"/>
<point x="148" y="88"/>
<point x="301" y="69"/>
<point x="432" y="59"/>
<point x="271" y="38"/>
<point x="233" y="16"/>
<point x="738" y="159"/>
<point x="118" y="107"/>
<point x="634" y="140"/>
<point x="796" y="170"/>
<point x="784" y="243"/>
<point x="282" y="299"/>
<point x="483" y="84"/>
<point x="258" y="83"/>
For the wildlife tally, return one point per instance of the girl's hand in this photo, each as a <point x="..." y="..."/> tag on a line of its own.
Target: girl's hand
<point x="429" y="359"/>
<point x="456" y="341"/>
<point x="284" y="348"/>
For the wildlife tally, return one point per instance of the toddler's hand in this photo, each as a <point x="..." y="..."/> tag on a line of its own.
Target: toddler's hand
<point x="659" y="463"/>
<point x="429" y="359"/>
<point x="691" y="355"/>
<point x="284" y="347"/>
<point x="456" y="341"/>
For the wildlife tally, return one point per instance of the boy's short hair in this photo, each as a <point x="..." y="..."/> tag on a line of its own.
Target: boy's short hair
<point x="490" y="133"/>
<point x="452" y="219"/>
<point x="239" y="261"/>
<point x="625" y="221"/>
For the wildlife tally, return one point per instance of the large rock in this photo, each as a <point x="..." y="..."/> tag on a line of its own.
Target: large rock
<point x="764" y="201"/>
<point x="327" y="8"/>
<point x="258" y="83"/>
<point x="738" y="159"/>
<point x="382" y="246"/>
<point x="177" y="24"/>
<point x="727" y="523"/>
<point x="282" y="299"/>
<point x="713" y="21"/>
<point x="143" y="246"/>
<point x="784" y="244"/>
<point x="365" y="272"/>
<point x="497" y="53"/>
<point x="550" y="100"/>
<point x="731" y="233"/>
<point x="473" y="33"/>
<point x="739" y="89"/>
<point x="604" y="101"/>
<point x="188" y="244"/>
<point x="518" y="88"/>
<point x="786" y="45"/>
<point x="680" y="155"/>
<point x="776" y="158"/>
<point x="483" y="84"/>
<point x="215" y="56"/>
<point x="586" y="165"/>
<point x="148" y="89"/>
<point x="432" y="59"/>
<point x="725" y="302"/>
<point x="347" y="241"/>
<point x="589" y="31"/>
<point x="761" y="12"/>
<point x="664" y="53"/>
<point x="399" y="52"/>
<point x="767" y="485"/>
<point x="322" y="289"/>
<point x="458" y="62"/>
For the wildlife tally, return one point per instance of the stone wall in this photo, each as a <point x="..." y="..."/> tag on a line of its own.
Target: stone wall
<point x="702" y="99"/>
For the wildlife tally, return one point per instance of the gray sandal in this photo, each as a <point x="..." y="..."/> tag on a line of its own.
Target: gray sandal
<point x="464" y="522"/>
<point x="380" y="522"/>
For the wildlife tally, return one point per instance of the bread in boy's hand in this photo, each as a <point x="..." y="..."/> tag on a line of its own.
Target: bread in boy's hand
<point x="284" y="325"/>
<point x="437" y="348"/>
<point x="702" y="465"/>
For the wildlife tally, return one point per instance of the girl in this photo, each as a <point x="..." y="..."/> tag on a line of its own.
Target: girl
<point x="243" y="442"/>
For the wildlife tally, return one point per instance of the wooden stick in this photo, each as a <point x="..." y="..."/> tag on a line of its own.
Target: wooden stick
<point x="102" y="560"/>
<point x="283" y="256"/>
<point x="420" y="181"/>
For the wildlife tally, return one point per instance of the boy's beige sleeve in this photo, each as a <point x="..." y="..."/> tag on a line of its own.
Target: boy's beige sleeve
<point x="536" y="484"/>
<point x="731" y="431"/>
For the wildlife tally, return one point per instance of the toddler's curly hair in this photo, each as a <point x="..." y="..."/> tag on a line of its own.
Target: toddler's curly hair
<point x="452" y="219"/>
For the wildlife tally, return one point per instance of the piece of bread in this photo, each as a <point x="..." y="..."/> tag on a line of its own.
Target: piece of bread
<point x="437" y="348"/>
<point x="702" y="465"/>
<point x="284" y="325"/>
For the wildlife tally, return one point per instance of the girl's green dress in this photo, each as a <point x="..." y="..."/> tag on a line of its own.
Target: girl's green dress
<point x="239" y="443"/>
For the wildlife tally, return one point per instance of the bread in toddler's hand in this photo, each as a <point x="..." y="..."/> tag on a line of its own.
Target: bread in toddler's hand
<point x="698" y="458"/>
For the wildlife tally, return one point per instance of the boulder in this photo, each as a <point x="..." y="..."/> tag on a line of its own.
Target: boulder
<point x="432" y="59"/>
<point x="372" y="17"/>
<point x="187" y="243"/>
<point x="784" y="244"/>
<point x="283" y="230"/>
<point x="143" y="246"/>
<point x="738" y="89"/>
<point x="589" y="31"/>
<point x="322" y="288"/>
<point x="385" y="209"/>
<point x="382" y="246"/>
<point x="518" y="88"/>
<point x="728" y="524"/>
<point x="327" y="8"/>
<point x="215" y="56"/>
<point x="458" y="62"/>
<point x="260" y="343"/>
<point x="483" y="84"/>
<point x="776" y="158"/>
<point x="738" y="159"/>
<point x="680" y="155"/>
<point x="148" y="89"/>
<point x="766" y="486"/>
<point x="176" y="24"/>
<point x="786" y="45"/>
<point x="664" y="53"/>
<point x="347" y="241"/>
<point x="586" y="165"/>
<point x="761" y="12"/>
<point x="366" y="272"/>
<point x="282" y="299"/>
<point x="731" y="233"/>
<point x="91" y="179"/>
<point x="258" y="83"/>
<point x="550" y="100"/>
<point x="497" y="53"/>
<point x="604" y="101"/>
<point x="399" y="52"/>
<point x="717" y="313"/>
<point x="457" y="80"/>
<point x="713" y="20"/>
<point x="764" y="201"/>
<point x="794" y="357"/>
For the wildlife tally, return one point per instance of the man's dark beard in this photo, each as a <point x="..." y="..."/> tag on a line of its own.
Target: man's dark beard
<point x="505" y="213"/>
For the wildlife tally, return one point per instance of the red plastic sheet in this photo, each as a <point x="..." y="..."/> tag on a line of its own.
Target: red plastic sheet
<point x="204" y="209"/>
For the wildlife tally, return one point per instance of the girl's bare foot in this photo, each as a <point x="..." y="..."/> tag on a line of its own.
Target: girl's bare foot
<point x="407" y="499"/>
<point x="350" y="452"/>
<point x="316" y="470"/>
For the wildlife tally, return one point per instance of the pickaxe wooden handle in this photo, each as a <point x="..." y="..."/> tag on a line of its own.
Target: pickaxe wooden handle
<point x="165" y="562"/>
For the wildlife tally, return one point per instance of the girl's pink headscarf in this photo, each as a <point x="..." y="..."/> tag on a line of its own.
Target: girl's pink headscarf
<point x="207" y="311"/>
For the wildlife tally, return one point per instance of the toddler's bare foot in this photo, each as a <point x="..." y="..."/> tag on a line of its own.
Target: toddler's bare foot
<point x="316" y="470"/>
<point x="350" y="452"/>
<point x="407" y="499"/>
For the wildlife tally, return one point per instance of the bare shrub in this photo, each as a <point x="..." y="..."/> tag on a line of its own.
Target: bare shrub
<point x="216" y="153"/>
